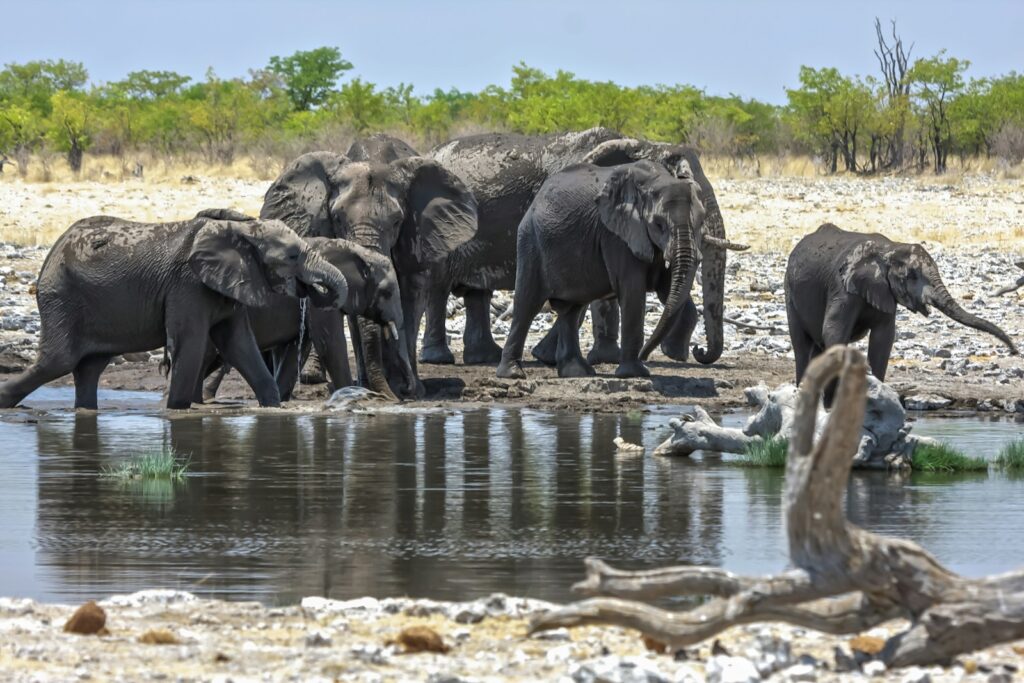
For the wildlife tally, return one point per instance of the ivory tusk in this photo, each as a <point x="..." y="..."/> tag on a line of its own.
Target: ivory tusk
<point x="719" y="243"/>
<point x="392" y="330"/>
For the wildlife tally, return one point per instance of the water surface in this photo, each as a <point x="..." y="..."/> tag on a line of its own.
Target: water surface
<point x="449" y="505"/>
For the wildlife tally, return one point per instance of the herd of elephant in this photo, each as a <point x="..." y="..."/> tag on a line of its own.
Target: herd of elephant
<point x="382" y="235"/>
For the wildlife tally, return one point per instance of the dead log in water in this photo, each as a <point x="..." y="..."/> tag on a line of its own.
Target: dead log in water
<point x="845" y="579"/>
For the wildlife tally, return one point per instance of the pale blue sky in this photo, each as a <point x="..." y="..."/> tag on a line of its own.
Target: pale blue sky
<point x="739" y="46"/>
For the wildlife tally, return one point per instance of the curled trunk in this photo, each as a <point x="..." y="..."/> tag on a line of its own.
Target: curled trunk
<point x="944" y="301"/>
<point x="712" y="279"/>
<point x="317" y="271"/>
<point x="683" y="272"/>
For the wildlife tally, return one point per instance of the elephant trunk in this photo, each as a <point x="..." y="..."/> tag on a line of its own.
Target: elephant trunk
<point x="712" y="279"/>
<point x="940" y="297"/>
<point x="373" y="358"/>
<point x="683" y="271"/>
<point x="325" y="279"/>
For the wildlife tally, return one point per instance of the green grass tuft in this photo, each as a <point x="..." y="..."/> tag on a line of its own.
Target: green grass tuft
<point x="162" y="464"/>
<point x="945" y="458"/>
<point x="1011" y="457"/>
<point x="766" y="453"/>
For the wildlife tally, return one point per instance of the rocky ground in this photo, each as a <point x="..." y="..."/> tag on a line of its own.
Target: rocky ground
<point x="170" y="635"/>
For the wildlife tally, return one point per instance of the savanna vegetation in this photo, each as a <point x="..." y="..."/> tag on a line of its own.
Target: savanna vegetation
<point x="916" y="114"/>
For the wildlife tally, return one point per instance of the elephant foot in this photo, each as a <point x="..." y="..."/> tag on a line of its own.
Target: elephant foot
<point x="604" y="351"/>
<point x="437" y="354"/>
<point x="482" y="354"/>
<point x="546" y="349"/>
<point x="679" y="352"/>
<point x="632" y="368"/>
<point x="576" y="367"/>
<point x="511" y="369"/>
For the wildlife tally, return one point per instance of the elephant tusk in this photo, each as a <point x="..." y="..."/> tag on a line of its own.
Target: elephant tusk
<point x="719" y="243"/>
<point x="391" y="330"/>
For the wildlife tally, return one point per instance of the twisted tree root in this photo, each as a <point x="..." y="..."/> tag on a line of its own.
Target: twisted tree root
<point x="846" y="579"/>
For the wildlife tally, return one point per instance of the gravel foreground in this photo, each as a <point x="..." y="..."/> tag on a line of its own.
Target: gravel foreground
<point x="175" y="636"/>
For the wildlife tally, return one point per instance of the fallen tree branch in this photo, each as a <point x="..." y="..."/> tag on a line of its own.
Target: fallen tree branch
<point x="845" y="580"/>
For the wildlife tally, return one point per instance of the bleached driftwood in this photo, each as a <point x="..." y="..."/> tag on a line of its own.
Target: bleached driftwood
<point x="844" y="580"/>
<point x="885" y="442"/>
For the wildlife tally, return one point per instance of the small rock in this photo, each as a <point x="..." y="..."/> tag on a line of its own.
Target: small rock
<point x="726" y="669"/>
<point x="844" y="662"/>
<point x="925" y="402"/>
<point x="552" y="635"/>
<point x="159" y="636"/>
<point x="873" y="668"/>
<point x="87" y="619"/>
<point x="318" y="639"/>
<point x="800" y="672"/>
<point x="421" y="639"/>
<point x="915" y="674"/>
<point x="614" y="669"/>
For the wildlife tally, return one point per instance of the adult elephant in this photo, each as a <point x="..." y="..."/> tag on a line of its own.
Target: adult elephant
<point x="841" y="286"/>
<point x="111" y="286"/>
<point x="504" y="172"/>
<point x="596" y="232"/>
<point x="410" y="209"/>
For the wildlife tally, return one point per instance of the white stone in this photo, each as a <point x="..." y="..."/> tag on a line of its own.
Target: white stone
<point x="726" y="669"/>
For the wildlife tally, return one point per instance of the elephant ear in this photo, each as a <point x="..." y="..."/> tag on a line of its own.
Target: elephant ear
<point x="865" y="274"/>
<point x="440" y="213"/>
<point x="227" y="263"/>
<point x="625" y="207"/>
<point x="618" y="151"/>
<point x="301" y="195"/>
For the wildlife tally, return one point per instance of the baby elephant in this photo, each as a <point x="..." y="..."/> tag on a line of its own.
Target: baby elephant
<point x="597" y="232"/>
<point x="110" y="286"/>
<point x="842" y="285"/>
<point x="372" y="294"/>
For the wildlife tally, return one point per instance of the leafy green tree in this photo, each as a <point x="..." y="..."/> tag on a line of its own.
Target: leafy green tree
<point x="34" y="83"/>
<point x="936" y="82"/>
<point x="70" y="124"/>
<point x="20" y="133"/>
<point x="310" y="75"/>
<point x="359" y="104"/>
<point x="151" y="85"/>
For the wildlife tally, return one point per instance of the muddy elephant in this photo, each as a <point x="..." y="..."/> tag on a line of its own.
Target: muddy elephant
<point x="286" y="329"/>
<point x="111" y="286"/>
<point x="504" y="172"/>
<point x="410" y="209"/>
<point x="841" y="286"/>
<point x="593" y="232"/>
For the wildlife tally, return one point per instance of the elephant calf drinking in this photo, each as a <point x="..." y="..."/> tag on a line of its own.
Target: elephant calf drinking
<point x="110" y="286"/>
<point x="842" y="285"/>
<point x="595" y="232"/>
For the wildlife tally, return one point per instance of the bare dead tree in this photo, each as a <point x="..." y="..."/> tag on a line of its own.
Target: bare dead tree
<point x="844" y="580"/>
<point x="894" y="63"/>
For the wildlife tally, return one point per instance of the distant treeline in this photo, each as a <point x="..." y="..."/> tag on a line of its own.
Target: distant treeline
<point x="913" y="116"/>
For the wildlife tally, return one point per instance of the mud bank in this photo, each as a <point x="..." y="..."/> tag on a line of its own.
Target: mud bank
<point x="172" y="635"/>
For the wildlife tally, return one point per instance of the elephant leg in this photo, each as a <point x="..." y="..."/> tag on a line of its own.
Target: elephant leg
<point x="285" y="364"/>
<point x="327" y="334"/>
<point x="803" y="346"/>
<point x="528" y="301"/>
<point x="87" y="379"/>
<point x="213" y="381"/>
<point x="186" y="368"/>
<point x="836" y="329"/>
<point x="676" y="344"/>
<point x="235" y="341"/>
<point x="604" y="320"/>
<point x="633" y="304"/>
<point x="46" y="369"/>
<point x="479" y="346"/>
<point x="546" y="350"/>
<point x="570" y="360"/>
<point x="435" y="336"/>
<point x="413" y="309"/>
<point x="880" y="347"/>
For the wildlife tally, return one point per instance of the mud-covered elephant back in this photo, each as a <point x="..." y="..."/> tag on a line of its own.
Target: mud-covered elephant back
<point x="301" y="195"/>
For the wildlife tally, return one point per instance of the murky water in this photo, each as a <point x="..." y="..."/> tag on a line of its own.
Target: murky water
<point x="449" y="505"/>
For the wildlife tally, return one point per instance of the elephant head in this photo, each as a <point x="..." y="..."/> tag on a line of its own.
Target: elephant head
<point x="680" y="160"/>
<point x="410" y="210"/>
<point x="886" y="273"/>
<point x="657" y="215"/>
<point x="250" y="260"/>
